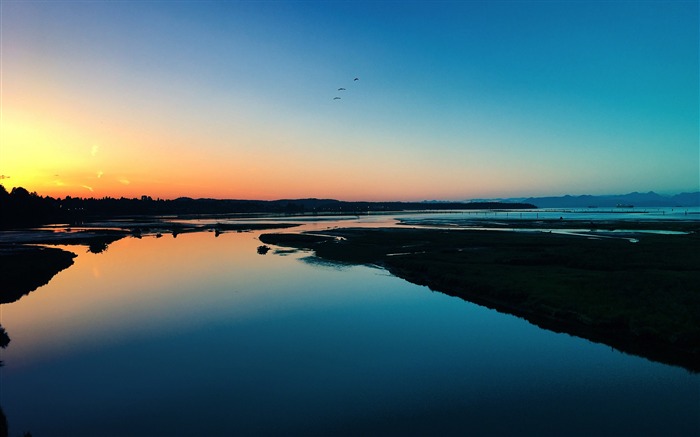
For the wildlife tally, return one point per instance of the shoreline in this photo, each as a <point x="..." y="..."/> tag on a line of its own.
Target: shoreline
<point x="23" y="269"/>
<point x="639" y="298"/>
<point x="28" y="261"/>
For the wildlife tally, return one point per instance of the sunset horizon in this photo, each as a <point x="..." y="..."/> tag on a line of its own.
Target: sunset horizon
<point x="354" y="101"/>
<point x="60" y="194"/>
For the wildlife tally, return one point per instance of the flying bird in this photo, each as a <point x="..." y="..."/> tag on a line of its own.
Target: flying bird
<point x="341" y="89"/>
<point x="336" y="98"/>
<point x="357" y="78"/>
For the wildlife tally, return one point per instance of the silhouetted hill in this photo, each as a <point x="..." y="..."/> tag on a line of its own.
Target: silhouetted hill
<point x="687" y="199"/>
<point x="650" y="199"/>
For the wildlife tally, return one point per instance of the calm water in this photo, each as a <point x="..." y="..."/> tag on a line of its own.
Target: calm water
<point x="202" y="336"/>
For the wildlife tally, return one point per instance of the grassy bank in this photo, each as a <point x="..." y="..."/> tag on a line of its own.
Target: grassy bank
<point x="23" y="269"/>
<point x="641" y="298"/>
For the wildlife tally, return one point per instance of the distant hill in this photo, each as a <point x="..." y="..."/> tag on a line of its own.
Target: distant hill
<point x="650" y="199"/>
<point x="20" y="208"/>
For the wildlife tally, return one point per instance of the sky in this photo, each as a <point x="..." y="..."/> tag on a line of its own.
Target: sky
<point x="454" y="99"/>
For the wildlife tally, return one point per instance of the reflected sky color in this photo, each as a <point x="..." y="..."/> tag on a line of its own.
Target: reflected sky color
<point x="455" y="99"/>
<point x="161" y="288"/>
<point x="200" y="335"/>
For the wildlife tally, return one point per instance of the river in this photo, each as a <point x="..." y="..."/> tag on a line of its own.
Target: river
<point x="200" y="335"/>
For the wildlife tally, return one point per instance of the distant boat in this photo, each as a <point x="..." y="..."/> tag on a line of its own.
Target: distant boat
<point x="624" y="205"/>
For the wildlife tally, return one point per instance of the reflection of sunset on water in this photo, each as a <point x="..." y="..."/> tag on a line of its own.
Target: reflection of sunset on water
<point x="139" y="285"/>
<point x="174" y="321"/>
<point x="152" y="321"/>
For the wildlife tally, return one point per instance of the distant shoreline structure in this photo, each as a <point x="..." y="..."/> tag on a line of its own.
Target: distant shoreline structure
<point x="630" y="200"/>
<point x="20" y="208"/>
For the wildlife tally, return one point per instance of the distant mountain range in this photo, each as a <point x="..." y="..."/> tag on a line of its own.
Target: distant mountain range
<point x="650" y="199"/>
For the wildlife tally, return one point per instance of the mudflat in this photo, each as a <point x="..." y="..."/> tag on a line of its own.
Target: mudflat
<point x="637" y="291"/>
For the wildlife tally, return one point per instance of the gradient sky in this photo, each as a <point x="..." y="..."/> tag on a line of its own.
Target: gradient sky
<point x="455" y="99"/>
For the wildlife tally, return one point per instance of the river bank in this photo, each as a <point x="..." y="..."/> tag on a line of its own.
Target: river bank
<point x="27" y="260"/>
<point x="640" y="297"/>
<point x="585" y="279"/>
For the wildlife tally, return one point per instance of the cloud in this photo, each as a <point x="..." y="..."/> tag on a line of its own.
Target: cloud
<point x="99" y="174"/>
<point x="89" y="188"/>
<point x="125" y="181"/>
<point x="94" y="150"/>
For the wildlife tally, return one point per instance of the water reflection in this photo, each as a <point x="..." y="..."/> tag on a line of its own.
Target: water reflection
<point x="4" y="430"/>
<point x="202" y="336"/>
<point x="4" y="340"/>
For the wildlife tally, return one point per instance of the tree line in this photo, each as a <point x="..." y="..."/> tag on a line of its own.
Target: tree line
<point x="20" y="208"/>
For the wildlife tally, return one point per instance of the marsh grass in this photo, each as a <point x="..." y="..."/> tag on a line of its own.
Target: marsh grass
<point x="642" y="298"/>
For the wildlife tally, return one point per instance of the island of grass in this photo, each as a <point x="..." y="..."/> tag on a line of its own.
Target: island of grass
<point x="641" y="298"/>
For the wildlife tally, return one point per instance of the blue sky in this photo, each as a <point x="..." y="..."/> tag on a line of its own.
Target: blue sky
<point x="455" y="99"/>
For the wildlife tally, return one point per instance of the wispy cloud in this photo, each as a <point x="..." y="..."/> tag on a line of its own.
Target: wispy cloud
<point x="94" y="150"/>
<point x="125" y="181"/>
<point x="99" y="174"/>
<point x="88" y="187"/>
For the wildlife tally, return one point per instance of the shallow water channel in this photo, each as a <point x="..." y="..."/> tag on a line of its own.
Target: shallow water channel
<point x="201" y="335"/>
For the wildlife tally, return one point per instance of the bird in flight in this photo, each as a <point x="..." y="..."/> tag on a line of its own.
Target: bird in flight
<point x="344" y="89"/>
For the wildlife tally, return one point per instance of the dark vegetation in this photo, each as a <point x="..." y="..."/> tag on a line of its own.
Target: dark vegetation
<point x="4" y="338"/>
<point x="641" y="298"/>
<point x="26" y="266"/>
<point x="20" y="208"/>
<point x="4" y="429"/>
<point x="23" y="269"/>
<point x="4" y="341"/>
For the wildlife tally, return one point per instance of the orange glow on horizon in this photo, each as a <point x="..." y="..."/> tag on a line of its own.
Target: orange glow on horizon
<point x="62" y="157"/>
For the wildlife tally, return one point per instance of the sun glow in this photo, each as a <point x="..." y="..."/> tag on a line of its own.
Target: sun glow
<point x="176" y="107"/>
